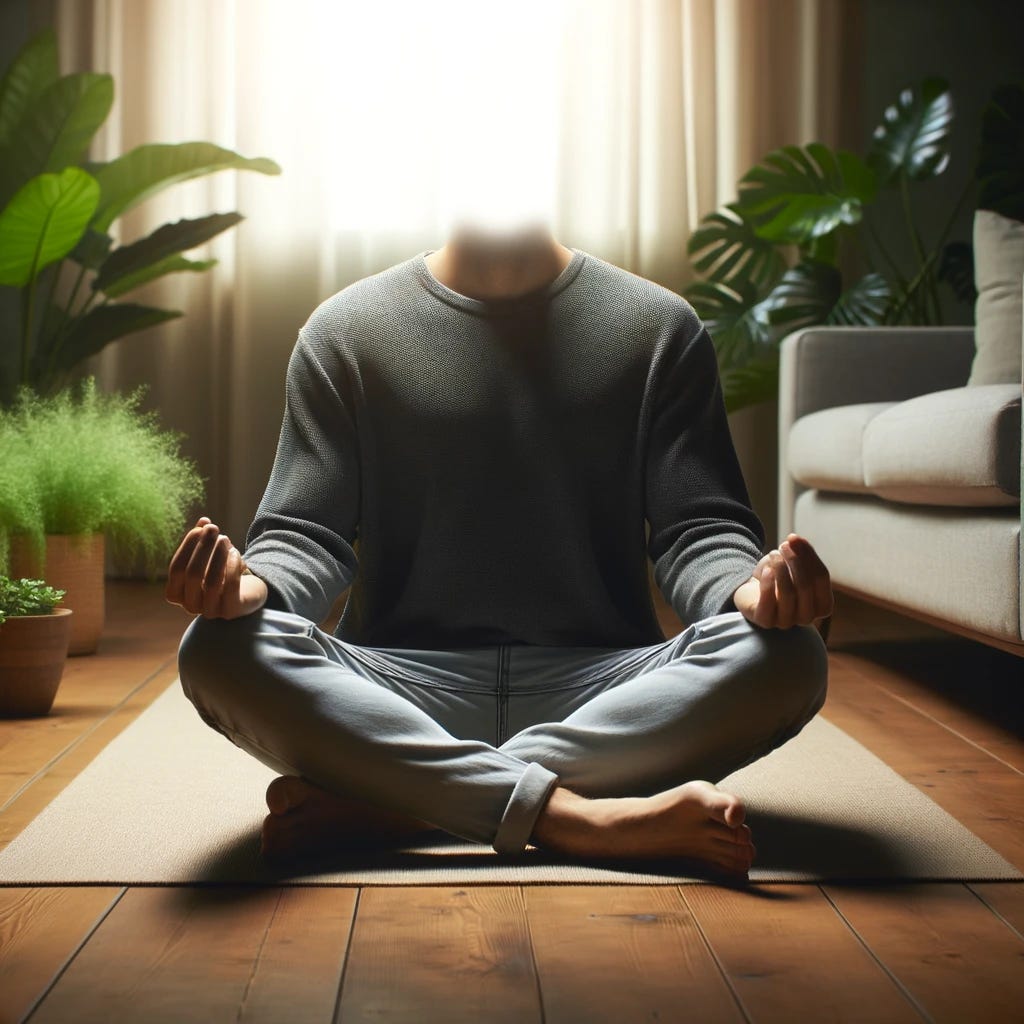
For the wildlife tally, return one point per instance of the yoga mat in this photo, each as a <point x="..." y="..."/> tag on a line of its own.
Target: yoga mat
<point x="170" y="801"/>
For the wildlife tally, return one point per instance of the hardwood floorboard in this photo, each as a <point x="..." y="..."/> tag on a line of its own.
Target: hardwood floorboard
<point x="40" y="931"/>
<point x="623" y="954"/>
<point x="955" y="957"/>
<point x="1005" y="899"/>
<point x="977" y="694"/>
<point x="979" y="790"/>
<point x="297" y="973"/>
<point x="789" y="956"/>
<point x="420" y="955"/>
<point x="167" y="955"/>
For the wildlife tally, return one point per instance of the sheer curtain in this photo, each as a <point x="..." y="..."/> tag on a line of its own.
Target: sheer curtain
<point x="631" y="119"/>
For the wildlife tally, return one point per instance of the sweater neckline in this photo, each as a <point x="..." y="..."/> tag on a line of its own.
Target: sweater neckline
<point x="498" y="307"/>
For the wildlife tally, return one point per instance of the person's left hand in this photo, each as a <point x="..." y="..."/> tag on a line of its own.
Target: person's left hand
<point x="790" y="586"/>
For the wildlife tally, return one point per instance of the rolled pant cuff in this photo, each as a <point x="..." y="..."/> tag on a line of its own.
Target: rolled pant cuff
<point x="524" y="806"/>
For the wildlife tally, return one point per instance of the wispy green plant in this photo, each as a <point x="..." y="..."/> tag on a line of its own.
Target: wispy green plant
<point x="26" y="597"/>
<point x="81" y="462"/>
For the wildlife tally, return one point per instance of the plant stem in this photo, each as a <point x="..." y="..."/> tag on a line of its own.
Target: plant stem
<point x="28" y="310"/>
<point x="915" y="238"/>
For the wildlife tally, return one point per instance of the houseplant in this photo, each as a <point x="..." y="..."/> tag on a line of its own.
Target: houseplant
<point x="81" y="468"/>
<point x="771" y="259"/>
<point x="60" y="270"/>
<point x="33" y="645"/>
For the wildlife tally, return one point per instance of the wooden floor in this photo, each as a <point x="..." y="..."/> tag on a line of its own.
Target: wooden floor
<point x="945" y="713"/>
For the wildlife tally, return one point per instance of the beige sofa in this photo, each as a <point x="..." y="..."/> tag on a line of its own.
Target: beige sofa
<point x="905" y="477"/>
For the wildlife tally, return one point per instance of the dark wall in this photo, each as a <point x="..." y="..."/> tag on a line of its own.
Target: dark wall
<point x="974" y="45"/>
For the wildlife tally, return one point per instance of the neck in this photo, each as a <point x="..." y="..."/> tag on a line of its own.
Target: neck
<point x="498" y="264"/>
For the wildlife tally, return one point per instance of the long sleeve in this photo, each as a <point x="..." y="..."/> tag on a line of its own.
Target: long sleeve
<point x="705" y="539"/>
<point x="300" y="540"/>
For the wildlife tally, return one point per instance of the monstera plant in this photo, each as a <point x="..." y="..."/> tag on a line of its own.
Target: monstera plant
<point x="770" y="259"/>
<point x="61" y="275"/>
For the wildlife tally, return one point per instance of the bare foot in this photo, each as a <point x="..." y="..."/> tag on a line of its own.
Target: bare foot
<point x="305" y="819"/>
<point x="696" y="821"/>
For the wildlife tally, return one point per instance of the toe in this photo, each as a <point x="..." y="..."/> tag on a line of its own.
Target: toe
<point x="278" y="795"/>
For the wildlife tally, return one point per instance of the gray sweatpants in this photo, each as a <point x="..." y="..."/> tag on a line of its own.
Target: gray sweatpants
<point x="474" y="740"/>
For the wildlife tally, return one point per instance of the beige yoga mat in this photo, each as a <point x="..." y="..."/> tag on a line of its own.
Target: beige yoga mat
<point x="171" y="801"/>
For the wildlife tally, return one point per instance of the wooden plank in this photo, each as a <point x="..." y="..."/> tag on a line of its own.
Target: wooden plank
<point x="175" y="954"/>
<point x="972" y="691"/>
<point x="951" y="954"/>
<point x="621" y="954"/>
<point x="1006" y="899"/>
<point x="298" y="970"/>
<point x="426" y="954"/>
<point x="40" y="930"/>
<point x="789" y="956"/>
<point x="982" y="792"/>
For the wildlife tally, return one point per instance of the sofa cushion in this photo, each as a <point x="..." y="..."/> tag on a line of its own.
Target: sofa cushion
<point x="955" y="447"/>
<point x="998" y="274"/>
<point x="963" y="567"/>
<point x="825" y="448"/>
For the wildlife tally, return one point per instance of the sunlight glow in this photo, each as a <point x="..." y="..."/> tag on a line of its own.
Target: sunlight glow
<point x="448" y="105"/>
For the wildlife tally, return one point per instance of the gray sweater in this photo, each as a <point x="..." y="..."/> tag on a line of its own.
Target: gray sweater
<point x="498" y="472"/>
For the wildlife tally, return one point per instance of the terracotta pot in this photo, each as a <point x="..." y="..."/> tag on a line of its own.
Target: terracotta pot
<point x="74" y="563"/>
<point x="32" y="653"/>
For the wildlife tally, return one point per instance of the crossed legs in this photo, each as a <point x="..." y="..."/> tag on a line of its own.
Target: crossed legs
<point x="617" y="766"/>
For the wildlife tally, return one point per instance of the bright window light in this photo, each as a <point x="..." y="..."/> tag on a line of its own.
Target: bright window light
<point x="449" y="106"/>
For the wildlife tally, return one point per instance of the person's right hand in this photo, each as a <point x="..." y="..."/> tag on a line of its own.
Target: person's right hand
<point x="205" y="576"/>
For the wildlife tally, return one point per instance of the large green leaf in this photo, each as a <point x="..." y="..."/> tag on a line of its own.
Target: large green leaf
<point x="733" y="316"/>
<point x="798" y="194"/>
<point x="146" y="170"/>
<point x="863" y="304"/>
<point x="55" y="130"/>
<point x="914" y="136"/>
<point x="168" y="265"/>
<point x="130" y="265"/>
<point x="1000" y="166"/>
<point x="756" y="381"/>
<point x="105" y="324"/>
<point x="727" y="246"/>
<point x="92" y="249"/>
<point x="32" y="70"/>
<point x="805" y="296"/>
<point x="43" y="223"/>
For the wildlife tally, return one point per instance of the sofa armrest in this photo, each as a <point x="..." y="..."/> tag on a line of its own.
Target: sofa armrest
<point x="822" y="367"/>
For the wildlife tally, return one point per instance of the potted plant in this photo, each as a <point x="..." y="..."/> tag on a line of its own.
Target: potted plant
<point x="770" y="259"/>
<point x="33" y="645"/>
<point x="61" y="275"/>
<point x="80" y="468"/>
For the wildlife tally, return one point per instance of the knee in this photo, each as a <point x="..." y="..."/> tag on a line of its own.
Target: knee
<point x="789" y="665"/>
<point x="795" y="660"/>
<point x="214" y="651"/>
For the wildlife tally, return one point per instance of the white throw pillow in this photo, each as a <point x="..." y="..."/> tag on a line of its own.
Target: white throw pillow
<point x="998" y="275"/>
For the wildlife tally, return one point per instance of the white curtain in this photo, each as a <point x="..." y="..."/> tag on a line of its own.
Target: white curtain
<point x="631" y="119"/>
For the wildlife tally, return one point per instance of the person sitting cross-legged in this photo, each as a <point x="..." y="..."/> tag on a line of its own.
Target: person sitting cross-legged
<point x="506" y="430"/>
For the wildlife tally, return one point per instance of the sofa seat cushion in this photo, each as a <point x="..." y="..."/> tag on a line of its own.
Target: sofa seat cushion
<point x="826" y="448"/>
<point x="962" y="567"/>
<point x="954" y="447"/>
